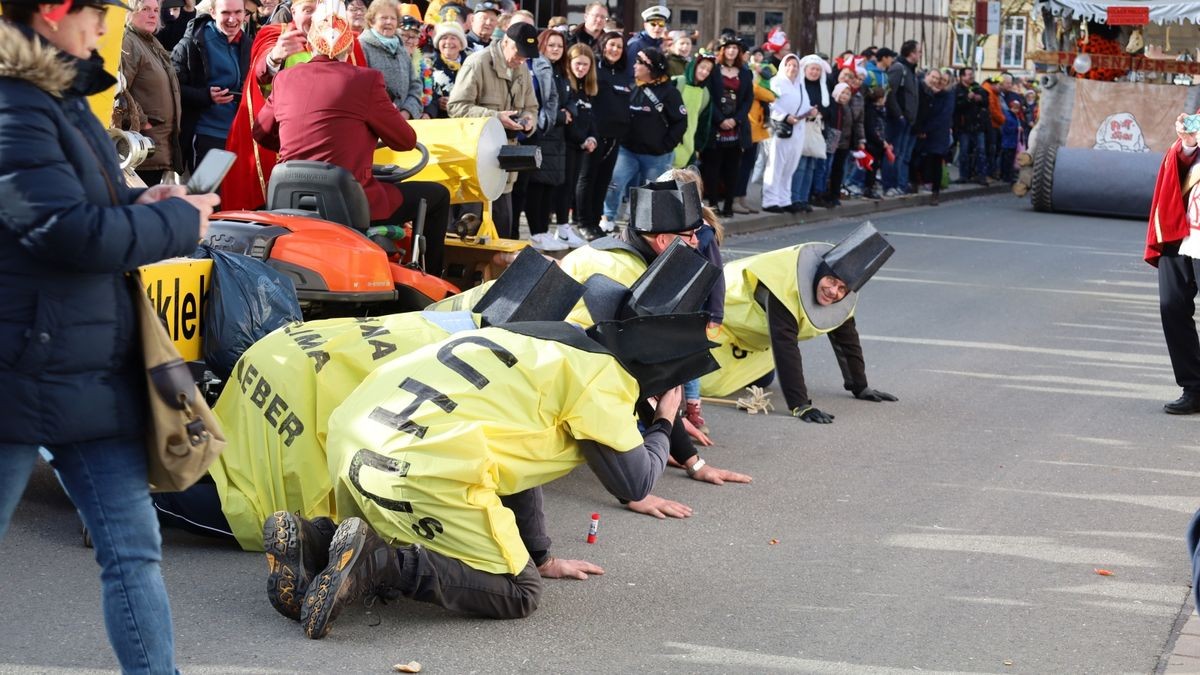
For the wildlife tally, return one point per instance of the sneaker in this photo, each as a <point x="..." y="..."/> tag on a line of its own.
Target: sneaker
<point x="361" y="564"/>
<point x="296" y="550"/>
<point x="607" y="225"/>
<point x="544" y="241"/>
<point x="873" y="194"/>
<point x="893" y="192"/>
<point x="852" y="191"/>
<point x="568" y="234"/>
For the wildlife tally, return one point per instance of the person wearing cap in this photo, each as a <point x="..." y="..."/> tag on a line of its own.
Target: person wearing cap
<point x="595" y="16"/>
<point x="661" y="213"/>
<point x="381" y="44"/>
<point x="449" y="44"/>
<point x="495" y="82"/>
<point x="877" y="66"/>
<point x="426" y="450"/>
<point x="773" y="300"/>
<point x="71" y="364"/>
<point x="175" y="17"/>
<point x="732" y="88"/>
<point x="694" y="88"/>
<point x="151" y="94"/>
<point x="451" y="11"/>
<point x="657" y="123"/>
<point x="484" y="16"/>
<point x="354" y="114"/>
<point x="654" y="28"/>
<point x="211" y="62"/>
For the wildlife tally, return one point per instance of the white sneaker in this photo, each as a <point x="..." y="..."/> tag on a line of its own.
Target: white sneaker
<point x="544" y="241"/>
<point x="607" y="225"/>
<point x="568" y="234"/>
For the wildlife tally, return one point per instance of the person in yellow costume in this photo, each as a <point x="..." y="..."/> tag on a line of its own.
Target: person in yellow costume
<point x="774" y="300"/>
<point x="664" y="215"/>
<point x="275" y="409"/>
<point x="427" y="446"/>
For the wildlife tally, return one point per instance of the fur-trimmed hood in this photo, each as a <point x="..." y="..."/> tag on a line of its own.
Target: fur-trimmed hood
<point x="25" y="56"/>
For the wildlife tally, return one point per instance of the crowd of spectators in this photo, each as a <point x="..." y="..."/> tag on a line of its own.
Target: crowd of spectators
<point x="609" y="109"/>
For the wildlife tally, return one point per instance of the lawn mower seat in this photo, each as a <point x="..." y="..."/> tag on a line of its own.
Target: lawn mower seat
<point x="322" y="188"/>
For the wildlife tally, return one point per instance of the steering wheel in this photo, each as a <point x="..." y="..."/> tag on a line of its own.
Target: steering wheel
<point x="390" y="173"/>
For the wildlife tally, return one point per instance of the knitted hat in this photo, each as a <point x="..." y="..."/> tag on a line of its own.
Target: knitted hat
<point x="837" y="90"/>
<point x="449" y="28"/>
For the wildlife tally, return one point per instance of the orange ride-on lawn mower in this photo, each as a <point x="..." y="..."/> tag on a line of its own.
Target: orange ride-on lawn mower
<point x="312" y="231"/>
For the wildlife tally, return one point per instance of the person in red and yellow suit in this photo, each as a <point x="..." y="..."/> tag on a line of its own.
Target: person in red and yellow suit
<point x="1173" y="246"/>
<point x="276" y="47"/>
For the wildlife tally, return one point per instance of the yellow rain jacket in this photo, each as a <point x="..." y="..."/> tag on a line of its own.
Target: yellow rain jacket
<point x="426" y="445"/>
<point x="744" y="343"/>
<point x="617" y="263"/>
<point x="276" y="406"/>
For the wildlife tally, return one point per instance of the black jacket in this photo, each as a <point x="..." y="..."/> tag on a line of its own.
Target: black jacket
<point x="583" y="120"/>
<point x="971" y="116"/>
<point x="655" y="128"/>
<point x="70" y="367"/>
<point x="743" y="99"/>
<point x="611" y="103"/>
<point x="191" y="66"/>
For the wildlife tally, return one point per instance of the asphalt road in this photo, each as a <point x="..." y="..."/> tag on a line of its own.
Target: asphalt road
<point x="958" y="530"/>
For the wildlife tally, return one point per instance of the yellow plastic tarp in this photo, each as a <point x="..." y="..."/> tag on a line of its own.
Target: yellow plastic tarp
<point x="426" y="445"/>
<point x="275" y="411"/>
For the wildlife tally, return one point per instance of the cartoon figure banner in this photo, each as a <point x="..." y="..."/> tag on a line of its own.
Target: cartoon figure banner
<point x="1125" y="116"/>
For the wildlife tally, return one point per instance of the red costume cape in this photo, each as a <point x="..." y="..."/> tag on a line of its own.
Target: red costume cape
<point x="1168" y="212"/>
<point x="246" y="185"/>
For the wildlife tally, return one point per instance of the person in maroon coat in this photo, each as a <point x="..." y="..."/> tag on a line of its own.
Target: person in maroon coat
<point x="332" y="111"/>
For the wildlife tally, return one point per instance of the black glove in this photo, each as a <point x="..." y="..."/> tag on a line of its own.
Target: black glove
<point x="811" y="414"/>
<point x="875" y="395"/>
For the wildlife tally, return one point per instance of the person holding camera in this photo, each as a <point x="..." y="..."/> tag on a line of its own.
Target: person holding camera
<point x="495" y="82"/>
<point x="70" y="358"/>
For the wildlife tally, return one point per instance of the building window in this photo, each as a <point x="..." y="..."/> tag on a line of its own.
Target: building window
<point x="747" y="26"/>
<point x="1012" y="44"/>
<point x="689" y="20"/>
<point x="964" y="41"/>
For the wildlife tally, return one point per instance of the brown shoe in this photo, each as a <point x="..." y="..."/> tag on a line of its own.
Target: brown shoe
<point x="361" y="563"/>
<point x="296" y="550"/>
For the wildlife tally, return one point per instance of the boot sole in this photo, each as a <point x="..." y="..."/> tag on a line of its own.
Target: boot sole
<point x="286" y="584"/>
<point x="328" y="591"/>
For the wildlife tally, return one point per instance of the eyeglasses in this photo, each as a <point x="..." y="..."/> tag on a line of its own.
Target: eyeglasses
<point x="690" y="234"/>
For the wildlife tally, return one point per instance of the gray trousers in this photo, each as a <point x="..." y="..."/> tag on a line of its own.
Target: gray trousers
<point x="434" y="578"/>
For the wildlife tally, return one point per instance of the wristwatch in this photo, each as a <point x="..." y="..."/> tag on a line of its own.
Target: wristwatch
<point x="695" y="467"/>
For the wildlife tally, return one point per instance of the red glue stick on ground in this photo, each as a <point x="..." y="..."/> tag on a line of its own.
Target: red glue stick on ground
<point x="594" y="528"/>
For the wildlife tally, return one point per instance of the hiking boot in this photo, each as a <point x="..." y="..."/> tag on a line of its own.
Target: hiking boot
<point x="361" y="564"/>
<point x="692" y="414"/>
<point x="296" y="550"/>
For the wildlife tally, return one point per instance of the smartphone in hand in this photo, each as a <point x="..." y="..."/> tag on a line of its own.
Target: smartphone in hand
<point x="208" y="176"/>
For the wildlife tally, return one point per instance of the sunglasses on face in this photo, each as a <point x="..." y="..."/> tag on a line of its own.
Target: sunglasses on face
<point x="657" y="23"/>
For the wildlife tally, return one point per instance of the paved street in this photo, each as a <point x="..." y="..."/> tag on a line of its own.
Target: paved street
<point x="958" y="530"/>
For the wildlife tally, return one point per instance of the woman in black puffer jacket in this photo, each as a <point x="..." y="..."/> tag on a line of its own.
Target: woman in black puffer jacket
<point x="70" y="365"/>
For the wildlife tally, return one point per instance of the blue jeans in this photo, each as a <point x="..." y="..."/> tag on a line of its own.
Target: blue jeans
<point x="802" y="180"/>
<point x="691" y="390"/>
<point x="106" y="481"/>
<point x="902" y="138"/>
<point x="820" y="184"/>
<point x="633" y="170"/>
<point x="972" y="156"/>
